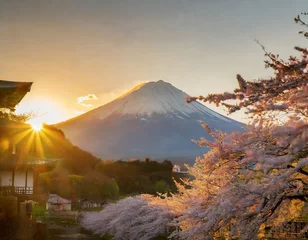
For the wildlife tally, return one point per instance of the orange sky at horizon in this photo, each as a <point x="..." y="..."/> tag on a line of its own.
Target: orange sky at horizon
<point x="51" y="111"/>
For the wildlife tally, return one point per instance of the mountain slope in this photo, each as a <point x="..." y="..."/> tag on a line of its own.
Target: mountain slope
<point x="49" y="143"/>
<point x="152" y="120"/>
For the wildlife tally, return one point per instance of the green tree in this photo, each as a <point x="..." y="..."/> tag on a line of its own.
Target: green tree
<point x="161" y="187"/>
<point x="96" y="186"/>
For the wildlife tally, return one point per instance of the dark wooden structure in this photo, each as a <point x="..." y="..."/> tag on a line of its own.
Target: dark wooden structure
<point x="20" y="180"/>
<point x="11" y="93"/>
<point x="18" y="173"/>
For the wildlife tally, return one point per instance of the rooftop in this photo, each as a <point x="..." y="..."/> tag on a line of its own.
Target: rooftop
<point x="14" y="161"/>
<point x="15" y="85"/>
<point x="11" y="93"/>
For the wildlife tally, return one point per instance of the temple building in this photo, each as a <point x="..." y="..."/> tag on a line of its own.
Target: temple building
<point x="19" y="167"/>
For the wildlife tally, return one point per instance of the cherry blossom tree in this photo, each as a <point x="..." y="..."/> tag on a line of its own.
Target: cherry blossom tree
<point x="247" y="180"/>
<point x="136" y="218"/>
<point x="253" y="178"/>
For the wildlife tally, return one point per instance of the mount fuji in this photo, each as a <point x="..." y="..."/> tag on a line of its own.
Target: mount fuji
<point x="152" y="120"/>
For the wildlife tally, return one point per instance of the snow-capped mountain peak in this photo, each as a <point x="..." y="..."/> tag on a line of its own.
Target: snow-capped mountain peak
<point x="152" y="98"/>
<point x="151" y="120"/>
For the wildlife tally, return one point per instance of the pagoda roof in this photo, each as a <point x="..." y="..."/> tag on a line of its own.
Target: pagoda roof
<point x="14" y="85"/>
<point x="41" y="161"/>
<point x="11" y="93"/>
<point x="12" y="161"/>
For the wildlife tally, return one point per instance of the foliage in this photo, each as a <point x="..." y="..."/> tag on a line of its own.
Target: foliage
<point x="38" y="212"/>
<point x="92" y="186"/>
<point x="135" y="218"/>
<point x="161" y="187"/>
<point x="75" y="179"/>
<point x="138" y="177"/>
<point x="55" y="144"/>
<point x="8" y="104"/>
<point x="109" y="180"/>
<point x="10" y="115"/>
<point x="96" y="186"/>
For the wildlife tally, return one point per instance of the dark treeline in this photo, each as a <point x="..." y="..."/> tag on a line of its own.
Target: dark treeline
<point x="140" y="176"/>
<point x="109" y="180"/>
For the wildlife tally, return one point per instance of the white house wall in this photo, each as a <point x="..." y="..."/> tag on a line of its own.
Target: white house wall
<point x="67" y="207"/>
<point x="30" y="179"/>
<point x="5" y="178"/>
<point x="19" y="178"/>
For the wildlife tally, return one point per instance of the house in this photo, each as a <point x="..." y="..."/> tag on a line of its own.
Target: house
<point x="56" y="203"/>
<point x="21" y="178"/>
<point x="176" y="168"/>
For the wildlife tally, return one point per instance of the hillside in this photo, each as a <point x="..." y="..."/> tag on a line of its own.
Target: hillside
<point x="50" y="142"/>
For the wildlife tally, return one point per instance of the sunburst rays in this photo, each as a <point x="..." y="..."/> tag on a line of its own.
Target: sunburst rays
<point x="33" y="143"/>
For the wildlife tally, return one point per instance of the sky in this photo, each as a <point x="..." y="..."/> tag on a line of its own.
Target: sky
<point x="81" y="54"/>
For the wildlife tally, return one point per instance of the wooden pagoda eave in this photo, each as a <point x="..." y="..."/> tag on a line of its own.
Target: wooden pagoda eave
<point x="11" y="93"/>
<point x="13" y="162"/>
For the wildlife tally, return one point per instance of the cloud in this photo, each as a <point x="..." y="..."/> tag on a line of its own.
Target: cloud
<point x="88" y="97"/>
<point x="86" y="105"/>
<point x="78" y="112"/>
<point x="81" y="101"/>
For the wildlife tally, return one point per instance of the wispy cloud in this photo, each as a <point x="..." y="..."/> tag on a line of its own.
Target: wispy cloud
<point x="88" y="97"/>
<point x="81" y="101"/>
<point x="78" y="112"/>
<point x="86" y="105"/>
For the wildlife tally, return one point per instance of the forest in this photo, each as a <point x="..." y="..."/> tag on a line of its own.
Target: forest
<point x="110" y="180"/>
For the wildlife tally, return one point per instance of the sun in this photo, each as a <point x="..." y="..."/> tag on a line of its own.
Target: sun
<point x="36" y="126"/>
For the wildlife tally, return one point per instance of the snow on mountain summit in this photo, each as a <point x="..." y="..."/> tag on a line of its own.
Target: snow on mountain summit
<point x="152" y="98"/>
<point x="155" y="97"/>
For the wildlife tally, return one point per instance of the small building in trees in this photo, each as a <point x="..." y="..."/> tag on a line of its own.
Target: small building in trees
<point x="176" y="168"/>
<point x="87" y="203"/>
<point x="57" y="203"/>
